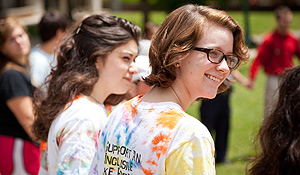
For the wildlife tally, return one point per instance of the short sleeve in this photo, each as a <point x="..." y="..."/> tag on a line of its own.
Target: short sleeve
<point x="14" y="84"/>
<point x="195" y="157"/>
<point x="77" y="146"/>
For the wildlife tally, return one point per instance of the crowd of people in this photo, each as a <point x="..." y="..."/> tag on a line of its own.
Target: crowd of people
<point x="96" y="97"/>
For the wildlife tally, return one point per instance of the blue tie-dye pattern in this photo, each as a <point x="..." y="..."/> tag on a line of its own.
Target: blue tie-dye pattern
<point x="132" y="132"/>
<point x="133" y="163"/>
<point x="104" y="139"/>
<point x="118" y="138"/>
<point x="59" y="172"/>
<point x="126" y="129"/>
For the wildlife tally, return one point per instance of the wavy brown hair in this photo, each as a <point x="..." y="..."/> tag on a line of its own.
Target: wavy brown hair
<point x="278" y="139"/>
<point x="76" y="73"/>
<point x="177" y="36"/>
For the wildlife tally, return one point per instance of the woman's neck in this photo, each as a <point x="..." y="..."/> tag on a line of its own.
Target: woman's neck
<point x="170" y="94"/>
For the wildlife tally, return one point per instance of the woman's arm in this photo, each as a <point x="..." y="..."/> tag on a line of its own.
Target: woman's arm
<point x="22" y="108"/>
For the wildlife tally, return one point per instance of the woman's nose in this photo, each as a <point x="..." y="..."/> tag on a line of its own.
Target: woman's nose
<point x="223" y="66"/>
<point x="133" y="68"/>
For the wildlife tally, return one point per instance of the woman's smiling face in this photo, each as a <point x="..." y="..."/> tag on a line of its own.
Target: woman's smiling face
<point x="200" y="77"/>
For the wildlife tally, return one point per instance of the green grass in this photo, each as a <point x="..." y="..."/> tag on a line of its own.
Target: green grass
<point x="259" y="22"/>
<point x="262" y="21"/>
<point x="246" y="105"/>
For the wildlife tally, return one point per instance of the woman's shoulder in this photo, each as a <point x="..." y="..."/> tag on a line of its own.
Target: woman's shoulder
<point x="81" y="108"/>
<point x="11" y="73"/>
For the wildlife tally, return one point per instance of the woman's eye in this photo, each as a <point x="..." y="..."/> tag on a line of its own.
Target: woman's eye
<point x="126" y="58"/>
<point x="213" y="53"/>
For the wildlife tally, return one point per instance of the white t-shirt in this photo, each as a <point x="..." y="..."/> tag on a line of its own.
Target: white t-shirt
<point x="153" y="138"/>
<point x="73" y="138"/>
<point x="40" y="65"/>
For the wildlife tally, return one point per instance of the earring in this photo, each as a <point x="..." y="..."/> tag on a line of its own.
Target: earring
<point x="177" y="65"/>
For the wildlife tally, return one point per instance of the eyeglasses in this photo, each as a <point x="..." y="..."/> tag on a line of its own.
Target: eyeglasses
<point x="216" y="56"/>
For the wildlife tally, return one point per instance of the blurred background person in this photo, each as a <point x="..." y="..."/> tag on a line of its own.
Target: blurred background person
<point x="278" y="140"/>
<point x="150" y="29"/>
<point x="215" y="115"/>
<point x="142" y="61"/>
<point x="19" y="153"/>
<point x="94" y="61"/>
<point x="51" y="28"/>
<point x="144" y="44"/>
<point x="275" y="55"/>
<point x="139" y="87"/>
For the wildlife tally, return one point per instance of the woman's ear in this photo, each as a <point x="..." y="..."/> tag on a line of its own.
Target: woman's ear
<point x="99" y="62"/>
<point x="177" y="65"/>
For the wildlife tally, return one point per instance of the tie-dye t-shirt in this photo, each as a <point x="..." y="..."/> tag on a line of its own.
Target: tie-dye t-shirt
<point x="73" y="138"/>
<point x="153" y="139"/>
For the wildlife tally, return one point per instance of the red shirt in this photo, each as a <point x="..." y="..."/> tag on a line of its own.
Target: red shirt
<point x="275" y="54"/>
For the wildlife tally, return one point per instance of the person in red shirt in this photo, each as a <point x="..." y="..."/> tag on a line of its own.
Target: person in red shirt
<point x="275" y="55"/>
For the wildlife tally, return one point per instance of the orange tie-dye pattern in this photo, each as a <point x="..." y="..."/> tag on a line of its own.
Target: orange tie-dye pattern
<point x="151" y="129"/>
<point x="169" y="119"/>
<point x="150" y="110"/>
<point x="70" y="102"/>
<point x="161" y="144"/>
<point x="134" y="111"/>
<point x="147" y="172"/>
<point x="152" y="162"/>
<point x="127" y="107"/>
<point x="130" y="108"/>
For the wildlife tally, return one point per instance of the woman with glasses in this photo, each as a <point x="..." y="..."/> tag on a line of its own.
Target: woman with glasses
<point x="191" y="55"/>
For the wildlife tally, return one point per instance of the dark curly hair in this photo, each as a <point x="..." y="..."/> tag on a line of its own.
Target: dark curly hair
<point x="278" y="139"/>
<point x="177" y="36"/>
<point x="76" y="73"/>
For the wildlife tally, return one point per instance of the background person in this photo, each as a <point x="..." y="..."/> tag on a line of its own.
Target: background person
<point x="278" y="140"/>
<point x="19" y="153"/>
<point x="51" y="28"/>
<point x="95" y="60"/>
<point x="275" y="55"/>
<point x="139" y="87"/>
<point x="152" y="134"/>
<point x="215" y="115"/>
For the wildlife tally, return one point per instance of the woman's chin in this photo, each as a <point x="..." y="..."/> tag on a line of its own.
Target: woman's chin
<point x="210" y="95"/>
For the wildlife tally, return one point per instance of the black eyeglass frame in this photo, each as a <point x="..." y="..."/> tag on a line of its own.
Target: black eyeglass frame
<point x="207" y="50"/>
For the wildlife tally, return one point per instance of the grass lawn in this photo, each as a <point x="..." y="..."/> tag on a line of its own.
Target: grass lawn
<point x="246" y="105"/>
<point x="259" y="22"/>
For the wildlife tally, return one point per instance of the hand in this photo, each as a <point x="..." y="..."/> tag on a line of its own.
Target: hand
<point x="251" y="84"/>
